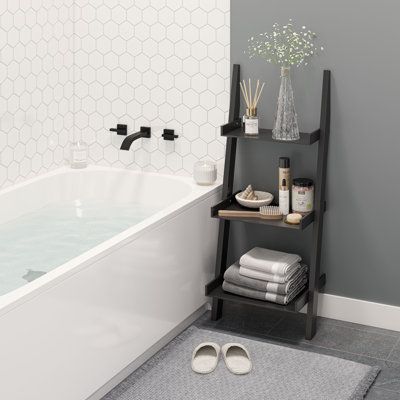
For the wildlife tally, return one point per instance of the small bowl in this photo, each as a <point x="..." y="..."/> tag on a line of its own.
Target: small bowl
<point x="264" y="199"/>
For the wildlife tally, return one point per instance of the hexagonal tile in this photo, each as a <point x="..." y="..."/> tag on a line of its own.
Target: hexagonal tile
<point x="208" y="132"/>
<point x="199" y="115"/>
<point x="216" y="150"/>
<point x="191" y="131"/>
<point x="111" y="154"/>
<point x="174" y="96"/>
<point x="182" y="114"/>
<point x="199" y="17"/>
<point x="174" y="161"/>
<point x="158" y="159"/>
<point x="188" y="163"/>
<point x="154" y="61"/>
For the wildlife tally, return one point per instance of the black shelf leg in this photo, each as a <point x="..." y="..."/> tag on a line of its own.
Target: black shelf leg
<point x="216" y="311"/>
<point x="312" y="308"/>
<point x="227" y="189"/>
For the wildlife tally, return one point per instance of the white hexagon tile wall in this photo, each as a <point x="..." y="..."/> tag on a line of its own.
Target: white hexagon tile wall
<point x="36" y="86"/>
<point x="71" y="69"/>
<point x="158" y="63"/>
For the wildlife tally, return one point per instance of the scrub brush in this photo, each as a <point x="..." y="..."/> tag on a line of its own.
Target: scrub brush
<point x="266" y="212"/>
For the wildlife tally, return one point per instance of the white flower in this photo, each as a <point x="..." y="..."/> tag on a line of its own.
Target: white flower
<point x="287" y="46"/>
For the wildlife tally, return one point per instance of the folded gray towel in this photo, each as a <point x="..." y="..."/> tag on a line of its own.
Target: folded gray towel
<point x="269" y="261"/>
<point x="257" y="294"/>
<point x="263" y="276"/>
<point x="232" y="275"/>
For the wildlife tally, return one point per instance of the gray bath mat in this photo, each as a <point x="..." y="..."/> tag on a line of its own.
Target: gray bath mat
<point x="279" y="373"/>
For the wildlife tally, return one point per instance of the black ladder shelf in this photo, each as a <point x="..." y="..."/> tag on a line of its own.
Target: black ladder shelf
<point x="233" y="131"/>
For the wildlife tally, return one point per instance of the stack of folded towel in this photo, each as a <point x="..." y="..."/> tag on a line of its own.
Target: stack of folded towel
<point x="265" y="274"/>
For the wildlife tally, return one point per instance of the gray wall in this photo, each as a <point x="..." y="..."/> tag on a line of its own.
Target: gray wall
<point x="361" y="39"/>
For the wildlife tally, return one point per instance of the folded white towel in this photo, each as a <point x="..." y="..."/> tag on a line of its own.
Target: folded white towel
<point x="269" y="261"/>
<point x="263" y="276"/>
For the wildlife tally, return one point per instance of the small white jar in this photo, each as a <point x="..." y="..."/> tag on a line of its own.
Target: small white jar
<point x="205" y="172"/>
<point x="302" y="195"/>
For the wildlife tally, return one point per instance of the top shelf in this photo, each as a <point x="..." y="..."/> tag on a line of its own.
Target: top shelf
<point x="234" y="130"/>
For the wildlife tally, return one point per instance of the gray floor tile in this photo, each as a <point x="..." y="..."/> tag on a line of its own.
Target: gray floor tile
<point x="382" y="394"/>
<point x="389" y="378"/>
<point x="395" y="354"/>
<point x="337" y="337"/>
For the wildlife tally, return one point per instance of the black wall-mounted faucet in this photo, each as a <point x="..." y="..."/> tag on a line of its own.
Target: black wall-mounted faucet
<point x="121" y="129"/>
<point x="145" y="132"/>
<point x="169" y="134"/>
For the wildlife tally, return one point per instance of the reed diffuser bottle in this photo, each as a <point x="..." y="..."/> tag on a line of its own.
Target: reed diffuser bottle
<point x="251" y="119"/>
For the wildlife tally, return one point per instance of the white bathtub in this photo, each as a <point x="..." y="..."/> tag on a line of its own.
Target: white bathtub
<point x="76" y="331"/>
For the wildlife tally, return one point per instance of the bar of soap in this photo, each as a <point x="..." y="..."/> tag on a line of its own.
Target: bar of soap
<point x="294" y="218"/>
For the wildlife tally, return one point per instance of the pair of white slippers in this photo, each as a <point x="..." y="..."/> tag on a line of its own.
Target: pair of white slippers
<point x="206" y="356"/>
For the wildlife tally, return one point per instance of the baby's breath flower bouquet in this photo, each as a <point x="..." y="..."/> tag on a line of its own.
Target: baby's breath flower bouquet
<point x="285" y="46"/>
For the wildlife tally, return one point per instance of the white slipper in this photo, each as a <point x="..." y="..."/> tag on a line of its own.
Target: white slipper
<point x="205" y="357"/>
<point x="237" y="358"/>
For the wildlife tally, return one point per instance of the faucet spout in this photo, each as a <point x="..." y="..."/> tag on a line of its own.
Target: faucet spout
<point x="145" y="132"/>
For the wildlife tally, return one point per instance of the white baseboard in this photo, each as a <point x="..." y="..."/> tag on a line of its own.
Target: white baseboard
<point x="359" y="311"/>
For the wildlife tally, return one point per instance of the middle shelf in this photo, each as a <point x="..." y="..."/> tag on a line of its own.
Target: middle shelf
<point x="230" y="203"/>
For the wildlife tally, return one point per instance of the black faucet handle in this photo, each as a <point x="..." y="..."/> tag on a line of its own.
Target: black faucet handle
<point x="121" y="129"/>
<point x="169" y="134"/>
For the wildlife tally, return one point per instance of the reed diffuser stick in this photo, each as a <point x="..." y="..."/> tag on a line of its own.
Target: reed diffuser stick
<point x="251" y="102"/>
<point x="244" y="95"/>
<point x="259" y="94"/>
<point x="247" y="94"/>
<point x="251" y="99"/>
<point x="256" y="94"/>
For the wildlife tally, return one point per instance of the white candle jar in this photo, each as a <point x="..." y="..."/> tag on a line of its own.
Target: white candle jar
<point x="205" y="172"/>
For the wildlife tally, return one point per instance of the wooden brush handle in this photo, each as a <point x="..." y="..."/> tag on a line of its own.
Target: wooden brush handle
<point x="247" y="214"/>
<point x="239" y="213"/>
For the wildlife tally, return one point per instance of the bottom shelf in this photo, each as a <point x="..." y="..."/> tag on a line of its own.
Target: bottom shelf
<point x="294" y="306"/>
<point x="214" y="289"/>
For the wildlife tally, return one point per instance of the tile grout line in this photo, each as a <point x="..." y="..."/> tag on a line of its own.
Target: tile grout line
<point x="276" y="324"/>
<point x="289" y="341"/>
<point x="328" y="348"/>
<point x="360" y="330"/>
<point x="269" y="335"/>
<point x="384" y="389"/>
<point x="394" y="347"/>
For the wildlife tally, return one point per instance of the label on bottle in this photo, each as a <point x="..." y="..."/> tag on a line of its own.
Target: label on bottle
<point x="251" y="126"/>
<point x="284" y="178"/>
<point x="284" y="201"/>
<point x="303" y="199"/>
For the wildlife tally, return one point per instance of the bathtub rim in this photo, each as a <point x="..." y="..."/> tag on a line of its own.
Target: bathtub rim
<point x="30" y="290"/>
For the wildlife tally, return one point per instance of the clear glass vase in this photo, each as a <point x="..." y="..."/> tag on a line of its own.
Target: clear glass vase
<point x="286" y="127"/>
